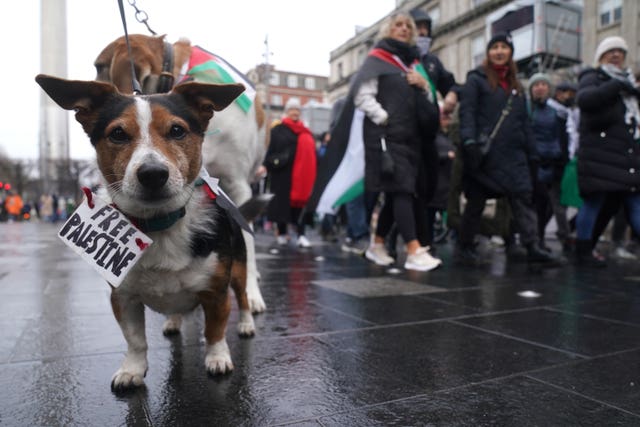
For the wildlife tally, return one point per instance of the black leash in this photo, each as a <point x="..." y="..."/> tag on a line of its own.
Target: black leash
<point x="137" y="90"/>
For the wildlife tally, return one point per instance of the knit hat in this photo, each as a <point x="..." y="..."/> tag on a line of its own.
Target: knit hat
<point x="539" y="77"/>
<point x="292" y="103"/>
<point x="609" y="43"/>
<point x="567" y="86"/>
<point x="501" y="37"/>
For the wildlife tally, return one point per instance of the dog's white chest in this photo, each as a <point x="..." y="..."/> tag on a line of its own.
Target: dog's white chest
<point x="168" y="291"/>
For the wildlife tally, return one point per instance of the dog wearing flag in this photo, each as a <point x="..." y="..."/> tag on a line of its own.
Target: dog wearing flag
<point x="234" y="144"/>
<point x="148" y="150"/>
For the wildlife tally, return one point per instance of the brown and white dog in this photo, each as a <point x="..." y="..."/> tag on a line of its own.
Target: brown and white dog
<point x="149" y="153"/>
<point x="234" y="145"/>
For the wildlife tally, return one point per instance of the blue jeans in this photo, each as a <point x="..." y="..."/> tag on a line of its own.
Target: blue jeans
<point x="588" y="213"/>
<point x="357" y="224"/>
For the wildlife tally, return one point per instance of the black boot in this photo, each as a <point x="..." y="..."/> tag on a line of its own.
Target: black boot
<point x="515" y="252"/>
<point x="585" y="256"/>
<point x="467" y="256"/>
<point x="535" y="254"/>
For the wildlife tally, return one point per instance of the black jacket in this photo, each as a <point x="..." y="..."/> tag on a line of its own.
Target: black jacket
<point x="279" y="163"/>
<point x="608" y="156"/>
<point x="505" y="169"/>
<point x="442" y="79"/>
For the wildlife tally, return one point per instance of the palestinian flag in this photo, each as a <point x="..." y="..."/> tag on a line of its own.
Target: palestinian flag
<point x="347" y="182"/>
<point x="207" y="67"/>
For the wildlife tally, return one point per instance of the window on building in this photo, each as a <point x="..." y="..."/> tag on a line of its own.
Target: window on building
<point x="276" y="100"/>
<point x="292" y="80"/>
<point x="609" y="11"/>
<point x="274" y="79"/>
<point x="340" y="71"/>
<point x="477" y="50"/>
<point x="362" y="55"/>
<point x="434" y="14"/>
<point x="309" y="83"/>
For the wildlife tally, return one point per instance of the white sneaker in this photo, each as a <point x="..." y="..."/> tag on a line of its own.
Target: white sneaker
<point x="282" y="240"/>
<point x="378" y="254"/>
<point x="427" y="250"/>
<point x="303" y="242"/>
<point x="622" y="253"/>
<point x="421" y="261"/>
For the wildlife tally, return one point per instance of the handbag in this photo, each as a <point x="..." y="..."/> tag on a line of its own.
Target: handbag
<point x="275" y="161"/>
<point x="388" y="165"/>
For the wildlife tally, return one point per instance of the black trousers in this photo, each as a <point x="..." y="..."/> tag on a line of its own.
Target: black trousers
<point x="398" y="208"/>
<point x="524" y="215"/>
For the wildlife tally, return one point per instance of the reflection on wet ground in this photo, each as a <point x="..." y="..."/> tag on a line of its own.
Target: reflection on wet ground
<point x="342" y="343"/>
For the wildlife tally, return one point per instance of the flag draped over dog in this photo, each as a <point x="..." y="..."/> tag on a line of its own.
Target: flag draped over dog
<point x="206" y="67"/>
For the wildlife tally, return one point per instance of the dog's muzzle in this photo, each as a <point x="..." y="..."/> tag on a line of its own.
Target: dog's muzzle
<point x="152" y="178"/>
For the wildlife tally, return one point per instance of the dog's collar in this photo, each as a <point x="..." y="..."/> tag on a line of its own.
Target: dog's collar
<point x="157" y="223"/>
<point x="165" y="82"/>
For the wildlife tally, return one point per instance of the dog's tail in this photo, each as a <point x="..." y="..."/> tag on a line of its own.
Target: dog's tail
<point x="254" y="207"/>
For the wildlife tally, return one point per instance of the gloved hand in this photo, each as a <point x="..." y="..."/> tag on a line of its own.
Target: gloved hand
<point x="472" y="155"/>
<point x="626" y="88"/>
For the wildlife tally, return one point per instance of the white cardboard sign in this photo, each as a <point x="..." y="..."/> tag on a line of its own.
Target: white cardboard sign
<point x="104" y="238"/>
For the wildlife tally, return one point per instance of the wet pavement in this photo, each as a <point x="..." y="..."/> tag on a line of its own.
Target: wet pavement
<point x="342" y="343"/>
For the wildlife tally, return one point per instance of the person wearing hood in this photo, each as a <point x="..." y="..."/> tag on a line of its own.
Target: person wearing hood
<point x="498" y="150"/>
<point x="393" y="93"/>
<point x="549" y="132"/>
<point x="441" y="81"/>
<point x="609" y="150"/>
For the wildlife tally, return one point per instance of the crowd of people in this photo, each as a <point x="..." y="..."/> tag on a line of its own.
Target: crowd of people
<point x="48" y="208"/>
<point x="538" y="149"/>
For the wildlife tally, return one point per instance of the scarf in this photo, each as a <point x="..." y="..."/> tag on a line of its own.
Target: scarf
<point x="502" y="71"/>
<point x="632" y="112"/>
<point x="404" y="56"/>
<point x="303" y="174"/>
<point x="407" y="53"/>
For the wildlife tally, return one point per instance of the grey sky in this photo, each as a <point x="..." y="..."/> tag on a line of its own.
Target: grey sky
<point x="301" y="36"/>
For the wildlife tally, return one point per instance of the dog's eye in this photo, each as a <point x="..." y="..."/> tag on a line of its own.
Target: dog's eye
<point x="118" y="136"/>
<point x="177" y="132"/>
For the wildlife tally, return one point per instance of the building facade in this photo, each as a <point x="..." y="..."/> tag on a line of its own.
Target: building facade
<point x="542" y="30"/>
<point x="276" y="87"/>
<point x="606" y="18"/>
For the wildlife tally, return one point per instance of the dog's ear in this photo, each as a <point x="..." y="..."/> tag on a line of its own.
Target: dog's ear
<point x="85" y="97"/>
<point x="207" y="98"/>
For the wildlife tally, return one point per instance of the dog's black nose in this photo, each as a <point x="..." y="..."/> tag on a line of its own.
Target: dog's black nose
<point x="153" y="177"/>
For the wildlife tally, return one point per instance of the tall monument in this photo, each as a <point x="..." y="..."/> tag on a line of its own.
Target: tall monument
<point x="54" y="127"/>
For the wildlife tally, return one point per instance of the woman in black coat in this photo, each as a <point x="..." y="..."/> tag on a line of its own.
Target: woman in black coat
<point x="392" y="94"/>
<point x="490" y="91"/>
<point x="609" y="154"/>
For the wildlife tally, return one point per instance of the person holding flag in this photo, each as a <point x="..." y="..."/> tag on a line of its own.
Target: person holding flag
<point x="386" y="113"/>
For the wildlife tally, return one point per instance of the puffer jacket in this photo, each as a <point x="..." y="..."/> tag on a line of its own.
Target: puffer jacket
<point x="506" y="166"/>
<point x="608" y="156"/>
<point x="402" y="136"/>
<point x="545" y="125"/>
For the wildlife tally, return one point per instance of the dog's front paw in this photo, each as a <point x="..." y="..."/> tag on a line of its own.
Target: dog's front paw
<point x="218" y="359"/>
<point x="123" y="380"/>
<point x="246" y="327"/>
<point x="132" y="372"/>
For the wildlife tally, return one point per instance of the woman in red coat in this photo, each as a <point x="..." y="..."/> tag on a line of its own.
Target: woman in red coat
<point x="291" y="164"/>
